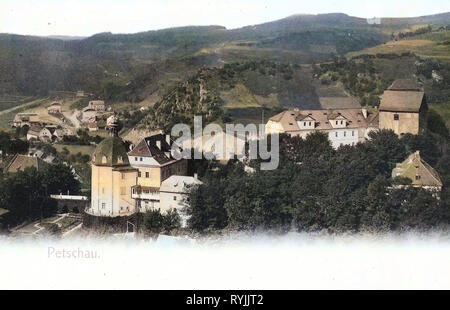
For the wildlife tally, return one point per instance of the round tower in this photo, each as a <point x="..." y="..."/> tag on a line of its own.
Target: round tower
<point x="112" y="180"/>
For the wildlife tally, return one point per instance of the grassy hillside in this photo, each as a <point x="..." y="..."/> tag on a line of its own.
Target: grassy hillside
<point x="225" y="74"/>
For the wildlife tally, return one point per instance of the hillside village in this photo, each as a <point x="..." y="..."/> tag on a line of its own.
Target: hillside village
<point x="363" y="130"/>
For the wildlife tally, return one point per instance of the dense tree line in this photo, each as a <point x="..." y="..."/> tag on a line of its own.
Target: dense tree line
<point x="10" y="145"/>
<point x="359" y="76"/>
<point x="26" y="194"/>
<point x="318" y="188"/>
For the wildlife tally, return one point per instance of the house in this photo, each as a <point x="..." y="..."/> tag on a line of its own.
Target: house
<point x="34" y="132"/>
<point x="154" y="162"/>
<point x="437" y="77"/>
<point x="21" y="162"/>
<point x="60" y="133"/>
<point x="97" y="105"/>
<point x="97" y="125"/>
<point x="421" y="174"/>
<point x="174" y="190"/>
<point x="55" y="108"/>
<point x="80" y="94"/>
<point x="403" y="107"/>
<point x="342" y="126"/>
<point x="25" y="119"/>
<point x="40" y="133"/>
<point x="88" y="114"/>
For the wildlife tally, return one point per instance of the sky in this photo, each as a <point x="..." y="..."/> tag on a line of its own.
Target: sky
<point x="87" y="17"/>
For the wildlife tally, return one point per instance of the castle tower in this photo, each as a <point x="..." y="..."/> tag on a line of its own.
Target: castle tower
<point x="112" y="180"/>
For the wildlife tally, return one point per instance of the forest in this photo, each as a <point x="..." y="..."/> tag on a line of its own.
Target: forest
<point x="317" y="188"/>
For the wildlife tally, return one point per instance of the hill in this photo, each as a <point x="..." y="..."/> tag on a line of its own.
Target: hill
<point x="151" y="64"/>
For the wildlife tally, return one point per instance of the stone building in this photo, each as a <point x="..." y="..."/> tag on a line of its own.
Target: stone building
<point x="342" y="126"/>
<point x="55" y="108"/>
<point x="419" y="172"/>
<point x="174" y="190"/>
<point x="21" y="162"/>
<point x="40" y="133"/>
<point x="112" y="180"/>
<point x="403" y="107"/>
<point x="126" y="183"/>
<point x="152" y="158"/>
<point x="97" y="105"/>
<point x="25" y="119"/>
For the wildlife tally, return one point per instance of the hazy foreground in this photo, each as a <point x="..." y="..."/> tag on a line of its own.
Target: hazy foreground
<point x="294" y="261"/>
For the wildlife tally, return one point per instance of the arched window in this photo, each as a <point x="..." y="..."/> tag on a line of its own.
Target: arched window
<point x="104" y="159"/>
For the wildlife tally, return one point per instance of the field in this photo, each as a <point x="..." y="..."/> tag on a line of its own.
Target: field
<point x="7" y="116"/>
<point x="430" y="45"/>
<point x="74" y="149"/>
<point x="10" y="101"/>
<point x="443" y="110"/>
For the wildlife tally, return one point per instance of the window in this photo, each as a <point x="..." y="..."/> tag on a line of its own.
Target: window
<point x="304" y="124"/>
<point x="336" y="134"/>
<point x="123" y="176"/>
<point x="103" y="205"/>
<point x="345" y="134"/>
<point x="147" y="175"/>
<point x="135" y="159"/>
<point x="309" y="123"/>
<point x="140" y="159"/>
<point x="139" y="174"/>
<point x="353" y="133"/>
<point x="175" y="198"/>
<point x="396" y="117"/>
<point x="342" y="122"/>
<point x="134" y="191"/>
<point x="120" y="160"/>
<point x="418" y="177"/>
<point x="104" y="160"/>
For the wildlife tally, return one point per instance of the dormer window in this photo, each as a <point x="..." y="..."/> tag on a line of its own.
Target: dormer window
<point x="310" y="123"/>
<point x="418" y="177"/>
<point x="304" y="124"/>
<point x="104" y="160"/>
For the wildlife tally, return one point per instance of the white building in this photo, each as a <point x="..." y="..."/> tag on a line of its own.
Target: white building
<point x="342" y="126"/>
<point x="174" y="190"/>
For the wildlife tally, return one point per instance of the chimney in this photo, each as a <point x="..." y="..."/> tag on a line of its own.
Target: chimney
<point x="364" y="112"/>
<point x="158" y="144"/>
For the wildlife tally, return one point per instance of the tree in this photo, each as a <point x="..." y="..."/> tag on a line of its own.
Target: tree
<point x="154" y="221"/>
<point x="172" y="220"/>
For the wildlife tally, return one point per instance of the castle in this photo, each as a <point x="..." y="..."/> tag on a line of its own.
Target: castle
<point x="146" y="177"/>
<point x="403" y="109"/>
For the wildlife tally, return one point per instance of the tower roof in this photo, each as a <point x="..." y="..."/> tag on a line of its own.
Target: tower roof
<point x="111" y="152"/>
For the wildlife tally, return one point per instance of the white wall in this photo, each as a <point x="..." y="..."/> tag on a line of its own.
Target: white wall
<point x="344" y="137"/>
<point x="167" y="201"/>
